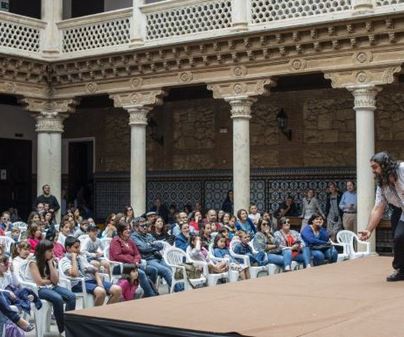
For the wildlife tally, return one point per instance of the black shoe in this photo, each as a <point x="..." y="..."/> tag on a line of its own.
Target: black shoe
<point x="398" y="275"/>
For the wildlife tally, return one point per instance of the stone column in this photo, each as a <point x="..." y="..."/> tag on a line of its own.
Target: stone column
<point x="51" y="38"/>
<point x="49" y="159"/>
<point x="138" y="104"/>
<point x="364" y="106"/>
<point x="49" y="117"/>
<point x="240" y="95"/>
<point x="138" y="123"/>
<point x="241" y="115"/>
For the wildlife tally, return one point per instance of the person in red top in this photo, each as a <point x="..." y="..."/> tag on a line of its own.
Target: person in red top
<point x="35" y="235"/>
<point x="129" y="281"/>
<point x="123" y="249"/>
<point x="196" y="220"/>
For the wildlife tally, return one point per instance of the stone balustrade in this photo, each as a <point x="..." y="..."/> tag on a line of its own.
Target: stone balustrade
<point x="165" y="22"/>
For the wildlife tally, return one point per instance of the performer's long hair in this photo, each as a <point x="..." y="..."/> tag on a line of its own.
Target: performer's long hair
<point x="388" y="165"/>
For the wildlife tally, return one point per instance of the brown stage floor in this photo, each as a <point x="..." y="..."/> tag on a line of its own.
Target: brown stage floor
<point x="349" y="299"/>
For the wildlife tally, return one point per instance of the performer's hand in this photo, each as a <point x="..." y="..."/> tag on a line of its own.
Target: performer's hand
<point x="364" y="235"/>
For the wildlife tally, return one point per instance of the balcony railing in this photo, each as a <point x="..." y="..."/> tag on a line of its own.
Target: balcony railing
<point x="173" y="21"/>
<point x="20" y="34"/>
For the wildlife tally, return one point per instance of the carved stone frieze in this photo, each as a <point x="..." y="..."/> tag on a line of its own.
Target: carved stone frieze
<point x="132" y="99"/>
<point x="369" y="77"/>
<point x="92" y="87"/>
<point x="185" y="76"/>
<point x="242" y="88"/>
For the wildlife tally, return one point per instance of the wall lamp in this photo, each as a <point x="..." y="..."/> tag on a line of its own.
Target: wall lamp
<point x="282" y="121"/>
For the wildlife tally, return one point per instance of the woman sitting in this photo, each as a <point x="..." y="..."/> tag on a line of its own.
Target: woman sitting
<point x="123" y="249"/>
<point x="317" y="238"/>
<point x="182" y="240"/>
<point x="43" y="271"/>
<point x="264" y="241"/>
<point x="244" y="223"/>
<point x="290" y="239"/>
<point x="200" y="253"/>
<point x="160" y="231"/>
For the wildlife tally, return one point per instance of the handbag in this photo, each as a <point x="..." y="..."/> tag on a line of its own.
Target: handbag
<point x="191" y="271"/>
<point x="321" y="247"/>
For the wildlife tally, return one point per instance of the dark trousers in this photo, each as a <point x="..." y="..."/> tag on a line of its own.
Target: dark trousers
<point x="398" y="247"/>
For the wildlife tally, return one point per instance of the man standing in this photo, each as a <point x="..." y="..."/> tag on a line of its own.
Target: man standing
<point x="47" y="198"/>
<point x="389" y="176"/>
<point x="348" y="205"/>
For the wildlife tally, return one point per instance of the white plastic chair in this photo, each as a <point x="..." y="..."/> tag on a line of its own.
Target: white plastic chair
<point x="6" y="242"/>
<point x="174" y="257"/>
<point x="269" y="269"/>
<point x="21" y="225"/>
<point x="88" y="299"/>
<point x="348" y="238"/>
<point x="42" y="317"/>
<point x="212" y="278"/>
<point x="112" y="265"/>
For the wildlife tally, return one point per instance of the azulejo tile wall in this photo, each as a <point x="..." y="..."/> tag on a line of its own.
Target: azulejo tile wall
<point x="269" y="187"/>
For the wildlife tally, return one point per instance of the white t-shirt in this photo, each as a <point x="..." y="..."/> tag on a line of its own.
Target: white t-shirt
<point x="386" y="195"/>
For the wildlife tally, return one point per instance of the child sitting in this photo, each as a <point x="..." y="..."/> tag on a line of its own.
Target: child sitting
<point x="58" y="249"/>
<point x="243" y="248"/>
<point x="11" y="293"/>
<point x="200" y="253"/>
<point x="129" y="282"/>
<point x="34" y="236"/>
<point x="221" y="251"/>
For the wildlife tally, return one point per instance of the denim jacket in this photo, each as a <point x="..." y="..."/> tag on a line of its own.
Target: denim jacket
<point x="146" y="245"/>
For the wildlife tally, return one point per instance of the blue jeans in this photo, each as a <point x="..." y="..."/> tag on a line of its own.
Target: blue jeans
<point x="303" y="257"/>
<point x="282" y="260"/>
<point x="319" y="256"/>
<point x="58" y="296"/>
<point x="165" y="272"/>
<point x="5" y="309"/>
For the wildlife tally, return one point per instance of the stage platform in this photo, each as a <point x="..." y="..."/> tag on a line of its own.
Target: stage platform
<point x="348" y="299"/>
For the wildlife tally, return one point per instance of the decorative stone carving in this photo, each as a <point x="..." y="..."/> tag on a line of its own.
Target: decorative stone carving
<point x="132" y="99"/>
<point x="49" y="122"/>
<point x="365" y="97"/>
<point x="138" y="116"/>
<point x="92" y="87"/>
<point x="136" y="82"/>
<point x="239" y="71"/>
<point x="10" y="87"/>
<point x="185" y="76"/>
<point x="372" y="76"/>
<point x="241" y="108"/>
<point x="298" y="64"/>
<point x="363" y="57"/>
<point x="50" y="105"/>
<point x="245" y="88"/>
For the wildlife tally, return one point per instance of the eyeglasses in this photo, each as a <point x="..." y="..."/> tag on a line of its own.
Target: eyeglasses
<point x="143" y="226"/>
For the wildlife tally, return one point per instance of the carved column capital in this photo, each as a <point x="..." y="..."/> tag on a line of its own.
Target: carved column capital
<point x="241" y="107"/>
<point x="49" y="122"/>
<point x="131" y="99"/>
<point x="365" y="97"/>
<point x="49" y="113"/>
<point x="138" y="115"/>
<point x="241" y="88"/>
<point x="363" y="77"/>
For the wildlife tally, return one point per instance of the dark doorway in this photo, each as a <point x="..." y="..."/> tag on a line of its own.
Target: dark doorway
<point x="80" y="188"/>
<point x="16" y="175"/>
<point x="88" y="7"/>
<point x="30" y="8"/>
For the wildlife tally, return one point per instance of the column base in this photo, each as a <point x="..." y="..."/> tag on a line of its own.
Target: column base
<point x="239" y="27"/>
<point x="136" y="43"/>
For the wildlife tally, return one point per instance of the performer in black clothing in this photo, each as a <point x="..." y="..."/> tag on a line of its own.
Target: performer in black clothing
<point x="47" y="198"/>
<point x="389" y="175"/>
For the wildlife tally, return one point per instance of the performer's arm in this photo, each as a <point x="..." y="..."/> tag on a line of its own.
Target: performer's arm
<point x="375" y="217"/>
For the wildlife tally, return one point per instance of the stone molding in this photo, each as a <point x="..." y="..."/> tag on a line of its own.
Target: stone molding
<point x="50" y="106"/>
<point x="363" y="77"/>
<point x="137" y="99"/>
<point x="240" y="89"/>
